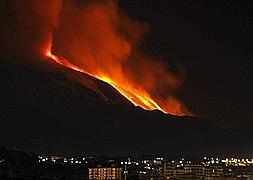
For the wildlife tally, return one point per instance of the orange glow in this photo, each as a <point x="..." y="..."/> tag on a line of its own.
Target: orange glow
<point x="99" y="40"/>
<point x="137" y="97"/>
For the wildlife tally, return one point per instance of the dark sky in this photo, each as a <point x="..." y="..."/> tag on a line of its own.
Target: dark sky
<point x="212" y="41"/>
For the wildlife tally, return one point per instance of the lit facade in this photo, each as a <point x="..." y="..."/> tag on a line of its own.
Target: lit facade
<point x="105" y="173"/>
<point x="192" y="171"/>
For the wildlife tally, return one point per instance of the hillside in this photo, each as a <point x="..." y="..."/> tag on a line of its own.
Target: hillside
<point x="48" y="108"/>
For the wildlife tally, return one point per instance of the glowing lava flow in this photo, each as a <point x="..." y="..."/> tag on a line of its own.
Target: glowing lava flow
<point x="137" y="97"/>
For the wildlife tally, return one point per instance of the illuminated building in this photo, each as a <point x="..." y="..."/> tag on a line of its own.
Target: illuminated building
<point x="213" y="171"/>
<point x="172" y="170"/>
<point x="105" y="173"/>
<point x="192" y="171"/>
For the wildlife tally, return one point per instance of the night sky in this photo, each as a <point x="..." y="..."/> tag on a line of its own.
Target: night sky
<point x="212" y="42"/>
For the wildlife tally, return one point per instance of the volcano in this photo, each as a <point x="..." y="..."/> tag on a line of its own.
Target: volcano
<point x="49" y="107"/>
<point x="60" y="83"/>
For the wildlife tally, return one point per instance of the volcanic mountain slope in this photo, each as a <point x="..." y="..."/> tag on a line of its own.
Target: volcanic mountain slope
<point x="47" y="105"/>
<point x="51" y="83"/>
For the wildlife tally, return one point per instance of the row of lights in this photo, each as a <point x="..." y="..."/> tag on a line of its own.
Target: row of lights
<point x="65" y="160"/>
<point x="237" y="162"/>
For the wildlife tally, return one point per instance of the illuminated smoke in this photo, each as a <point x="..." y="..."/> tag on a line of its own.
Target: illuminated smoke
<point x="27" y="26"/>
<point x="98" y="38"/>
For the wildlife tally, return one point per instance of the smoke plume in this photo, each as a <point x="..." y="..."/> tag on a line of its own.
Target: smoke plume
<point x="27" y="26"/>
<point x="96" y="36"/>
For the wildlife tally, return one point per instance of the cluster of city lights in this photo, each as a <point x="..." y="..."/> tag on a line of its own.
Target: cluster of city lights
<point x="55" y="159"/>
<point x="180" y="162"/>
<point x="237" y="162"/>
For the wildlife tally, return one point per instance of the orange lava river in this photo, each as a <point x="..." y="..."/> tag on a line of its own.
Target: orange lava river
<point x="136" y="96"/>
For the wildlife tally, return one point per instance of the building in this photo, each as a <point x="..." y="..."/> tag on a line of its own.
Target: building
<point x="192" y="171"/>
<point x="189" y="171"/>
<point x="213" y="171"/>
<point x="105" y="173"/>
<point x="171" y="170"/>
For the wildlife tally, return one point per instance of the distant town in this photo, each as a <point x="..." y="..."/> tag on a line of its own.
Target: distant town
<point x="22" y="165"/>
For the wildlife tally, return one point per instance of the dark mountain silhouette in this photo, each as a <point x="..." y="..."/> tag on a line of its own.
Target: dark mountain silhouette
<point x="48" y="108"/>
